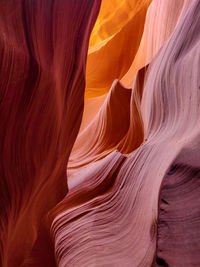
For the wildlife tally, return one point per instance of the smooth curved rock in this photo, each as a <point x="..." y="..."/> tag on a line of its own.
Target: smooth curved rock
<point x="118" y="226"/>
<point x="133" y="173"/>
<point x="43" y="49"/>
<point x="103" y="134"/>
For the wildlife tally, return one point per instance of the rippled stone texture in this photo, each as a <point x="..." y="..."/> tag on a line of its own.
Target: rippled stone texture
<point x="133" y="169"/>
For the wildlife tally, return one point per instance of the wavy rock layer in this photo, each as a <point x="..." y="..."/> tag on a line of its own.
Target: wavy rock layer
<point x="126" y="210"/>
<point x="134" y="169"/>
<point x="161" y="19"/>
<point x="178" y="220"/>
<point x="107" y="129"/>
<point x="43" y="49"/>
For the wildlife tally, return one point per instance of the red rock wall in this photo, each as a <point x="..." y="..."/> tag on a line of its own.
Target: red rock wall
<point x="131" y="195"/>
<point x="43" y="50"/>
